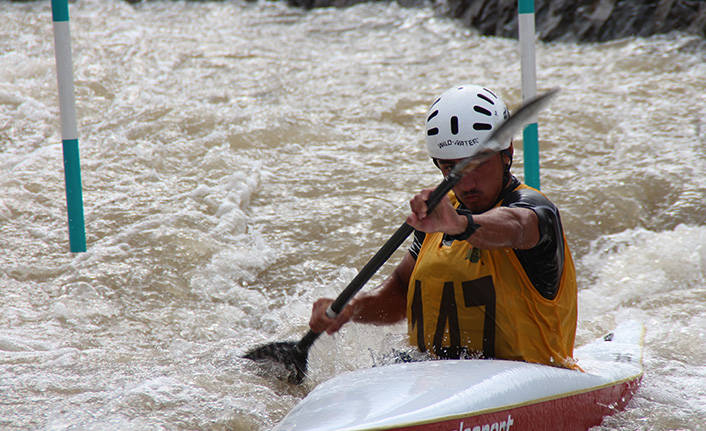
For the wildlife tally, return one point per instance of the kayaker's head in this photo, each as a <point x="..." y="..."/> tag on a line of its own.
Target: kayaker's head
<point x="458" y="122"/>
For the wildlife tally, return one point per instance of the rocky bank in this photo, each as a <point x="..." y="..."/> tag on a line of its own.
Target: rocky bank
<point x="564" y="20"/>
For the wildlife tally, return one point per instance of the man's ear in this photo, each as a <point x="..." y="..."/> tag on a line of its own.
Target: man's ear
<point x="510" y="151"/>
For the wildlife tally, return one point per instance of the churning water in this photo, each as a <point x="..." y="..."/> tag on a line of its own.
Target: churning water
<point x="241" y="159"/>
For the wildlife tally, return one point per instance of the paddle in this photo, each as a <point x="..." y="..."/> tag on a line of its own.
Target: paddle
<point x="293" y="355"/>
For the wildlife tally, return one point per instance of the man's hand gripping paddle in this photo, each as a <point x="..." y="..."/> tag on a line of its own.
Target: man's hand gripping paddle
<point x="293" y="355"/>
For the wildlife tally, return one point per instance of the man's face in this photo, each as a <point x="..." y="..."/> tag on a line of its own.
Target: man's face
<point x="480" y="187"/>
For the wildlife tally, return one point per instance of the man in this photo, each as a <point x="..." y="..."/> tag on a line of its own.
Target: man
<point x="489" y="273"/>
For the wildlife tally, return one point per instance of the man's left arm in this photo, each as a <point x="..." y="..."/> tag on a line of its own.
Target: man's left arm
<point x="500" y="227"/>
<point x="503" y="227"/>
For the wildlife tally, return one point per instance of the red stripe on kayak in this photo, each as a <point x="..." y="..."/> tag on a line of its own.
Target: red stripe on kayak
<point x="577" y="412"/>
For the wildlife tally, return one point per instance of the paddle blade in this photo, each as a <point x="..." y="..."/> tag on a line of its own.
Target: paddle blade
<point x="527" y="114"/>
<point x="286" y="354"/>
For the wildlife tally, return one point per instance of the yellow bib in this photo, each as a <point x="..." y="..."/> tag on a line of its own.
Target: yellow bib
<point x="482" y="300"/>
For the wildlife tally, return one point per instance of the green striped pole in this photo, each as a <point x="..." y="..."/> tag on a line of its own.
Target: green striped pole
<point x="69" y="131"/>
<point x="530" y="135"/>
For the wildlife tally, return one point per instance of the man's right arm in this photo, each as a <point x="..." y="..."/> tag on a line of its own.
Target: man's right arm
<point x="385" y="305"/>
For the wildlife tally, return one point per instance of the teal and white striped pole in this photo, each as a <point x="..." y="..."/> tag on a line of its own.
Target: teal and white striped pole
<point x="530" y="135"/>
<point x="69" y="131"/>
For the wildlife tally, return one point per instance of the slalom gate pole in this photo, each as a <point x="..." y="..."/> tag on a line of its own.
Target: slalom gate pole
<point x="69" y="131"/>
<point x="530" y="135"/>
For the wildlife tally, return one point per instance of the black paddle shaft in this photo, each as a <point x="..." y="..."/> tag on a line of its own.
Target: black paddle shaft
<point x="380" y="258"/>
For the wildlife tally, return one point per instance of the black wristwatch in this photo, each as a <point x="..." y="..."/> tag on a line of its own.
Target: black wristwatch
<point x="470" y="229"/>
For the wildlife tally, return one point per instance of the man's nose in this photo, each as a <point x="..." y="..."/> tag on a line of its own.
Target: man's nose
<point x="468" y="181"/>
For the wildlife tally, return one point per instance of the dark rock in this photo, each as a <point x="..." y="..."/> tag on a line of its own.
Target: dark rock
<point x="583" y="20"/>
<point x="311" y="4"/>
<point x="564" y="20"/>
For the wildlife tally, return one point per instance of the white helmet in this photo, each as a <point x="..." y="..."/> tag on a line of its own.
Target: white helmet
<point x="462" y="118"/>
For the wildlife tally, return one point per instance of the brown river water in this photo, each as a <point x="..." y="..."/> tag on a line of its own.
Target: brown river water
<point x="240" y="160"/>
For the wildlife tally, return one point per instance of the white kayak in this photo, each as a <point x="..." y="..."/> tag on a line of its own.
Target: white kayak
<point x="479" y="395"/>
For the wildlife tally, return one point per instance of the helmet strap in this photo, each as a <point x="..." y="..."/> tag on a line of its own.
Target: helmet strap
<point x="506" y="174"/>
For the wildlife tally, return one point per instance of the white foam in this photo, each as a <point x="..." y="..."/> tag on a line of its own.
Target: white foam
<point x="636" y="265"/>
